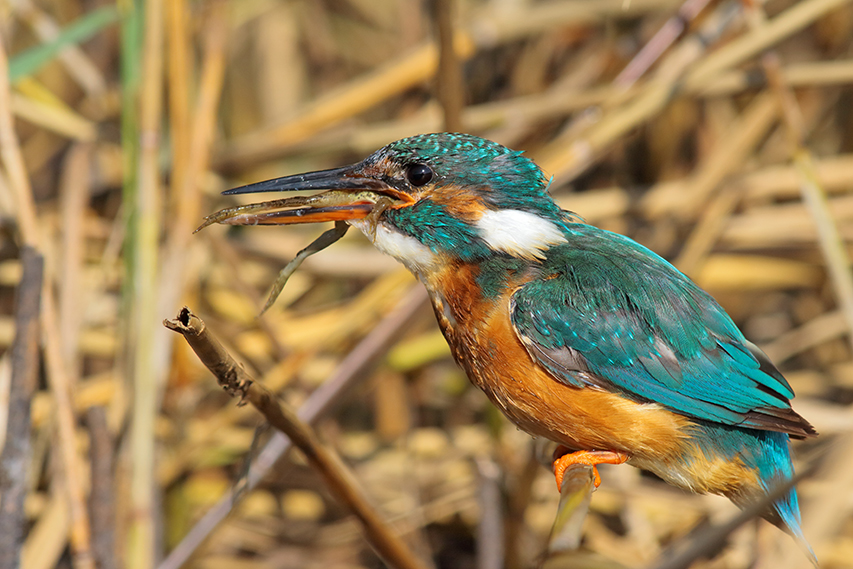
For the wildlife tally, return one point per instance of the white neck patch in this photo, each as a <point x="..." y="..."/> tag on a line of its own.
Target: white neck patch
<point x="518" y="233"/>
<point x="416" y="256"/>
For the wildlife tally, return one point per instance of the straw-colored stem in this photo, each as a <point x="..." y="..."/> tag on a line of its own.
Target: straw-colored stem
<point x="352" y="98"/>
<point x="707" y="232"/>
<point x="178" y="266"/>
<point x="792" y="20"/>
<point x="732" y="150"/>
<point x="56" y="366"/>
<point x="75" y="195"/>
<point x="180" y="73"/>
<point x="831" y="244"/>
<point x="449" y="75"/>
<point x="140" y="552"/>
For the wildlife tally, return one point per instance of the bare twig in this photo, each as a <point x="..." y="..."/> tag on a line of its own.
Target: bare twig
<point x="318" y="405"/>
<point x="490" y="533"/>
<point x="575" y="496"/>
<point x="16" y="451"/>
<point x="236" y="381"/>
<point x="520" y="494"/>
<point x="101" y="500"/>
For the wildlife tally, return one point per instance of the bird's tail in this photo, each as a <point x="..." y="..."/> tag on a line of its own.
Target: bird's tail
<point x="772" y="459"/>
<point x="767" y="454"/>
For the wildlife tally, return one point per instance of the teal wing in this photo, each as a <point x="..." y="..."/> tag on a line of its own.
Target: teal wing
<point x="604" y="311"/>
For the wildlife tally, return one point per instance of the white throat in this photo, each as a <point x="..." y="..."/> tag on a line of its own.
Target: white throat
<point x="416" y="256"/>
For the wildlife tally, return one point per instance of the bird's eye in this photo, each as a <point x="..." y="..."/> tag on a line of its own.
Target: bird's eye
<point x="418" y="174"/>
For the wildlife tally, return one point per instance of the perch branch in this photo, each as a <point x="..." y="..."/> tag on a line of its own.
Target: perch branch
<point x="237" y="382"/>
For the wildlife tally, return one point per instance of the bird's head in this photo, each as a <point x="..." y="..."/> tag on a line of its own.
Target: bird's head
<point x="425" y="200"/>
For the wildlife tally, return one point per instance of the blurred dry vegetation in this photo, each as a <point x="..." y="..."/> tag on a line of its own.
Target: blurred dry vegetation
<point x="726" y="147"/>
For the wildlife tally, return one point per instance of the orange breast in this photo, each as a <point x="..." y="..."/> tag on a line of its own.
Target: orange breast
<point x="484" y="343"/>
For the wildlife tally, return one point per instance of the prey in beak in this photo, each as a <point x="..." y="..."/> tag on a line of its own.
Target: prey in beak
<point x="348" y="195"/>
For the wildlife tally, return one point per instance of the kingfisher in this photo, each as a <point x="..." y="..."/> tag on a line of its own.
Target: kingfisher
<point x="578" y="335"/>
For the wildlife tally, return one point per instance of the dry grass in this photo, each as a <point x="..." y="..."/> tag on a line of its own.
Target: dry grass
<point x="726" y="147"/>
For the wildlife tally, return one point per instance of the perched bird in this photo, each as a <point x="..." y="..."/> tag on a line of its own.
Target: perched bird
<point x="577" y="334"/>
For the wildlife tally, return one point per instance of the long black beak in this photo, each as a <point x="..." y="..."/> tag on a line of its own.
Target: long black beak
<point x="345" y="178"/>
<point x="349" y="195"/>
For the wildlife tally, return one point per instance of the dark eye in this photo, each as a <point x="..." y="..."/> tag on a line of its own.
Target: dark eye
<point x="418" y="174"/>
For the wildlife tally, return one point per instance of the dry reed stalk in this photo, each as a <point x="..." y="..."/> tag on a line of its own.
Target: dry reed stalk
<point x="346" y="101"/>
<point x="742" y="272"/>
<point x="688" y="198"/>
<point x="74" y="198"/>
<point x="814" y="196"/>
<point x="180" y="72"/>
<point x="586" y="137"/>
<point x="551" y="104"/>
<point x="492" y="28"/>
<point x="811" y="74"/>
<point x="752" y="43"/>
<point x="203" y="125"/>
<point x="566" y="157"/>
<point x="179" y="264"/>
<point x="141" y="544"/>
<point x="781" y="224"/>
<point x="813" y="333"/>
<point x="496" y="26"/>
<point x="839" y="267"/>
<point x="835" y="174"/>
<point x="519" y="497"/>
<point x="450" y="87"/>
<point x="57" y="119"/>
<point x="47" y="539"/>
<point x="102" y="498"/>
<point x="706" y="234"/>
<point x="56" y="367"/>
<point x="829" y="238"/>
<point x="711" y="540"/>
<point x="525" y="110"/>
<point x="92" y="342"/>
<point x="653" y="49"/>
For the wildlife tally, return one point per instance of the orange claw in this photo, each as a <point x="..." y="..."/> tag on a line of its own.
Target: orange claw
<point x="589" y="458"/>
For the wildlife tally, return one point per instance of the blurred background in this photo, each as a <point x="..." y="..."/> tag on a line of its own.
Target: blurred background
<point x="719" y="133"/>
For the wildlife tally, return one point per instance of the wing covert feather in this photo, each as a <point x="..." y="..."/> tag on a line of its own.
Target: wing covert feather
<point x="605" y="311"/>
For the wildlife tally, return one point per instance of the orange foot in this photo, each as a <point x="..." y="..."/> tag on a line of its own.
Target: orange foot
<point x="587" y="457"/>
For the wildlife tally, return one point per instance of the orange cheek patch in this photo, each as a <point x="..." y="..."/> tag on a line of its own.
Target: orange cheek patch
<point x="459" y="203"/>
